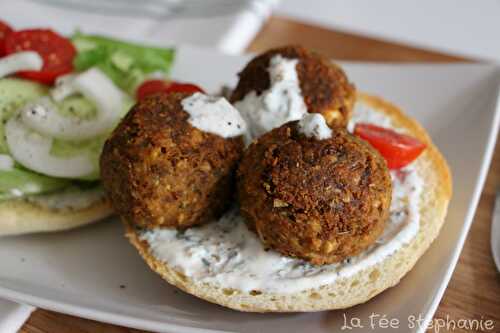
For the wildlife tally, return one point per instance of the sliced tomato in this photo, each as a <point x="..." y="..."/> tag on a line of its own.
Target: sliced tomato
<point x="56" y="51"/>
<point x="398" y="149"/>
<point x="5" y="29"/>
<point x="151" y="87"/>
<point x="183" y="87"/>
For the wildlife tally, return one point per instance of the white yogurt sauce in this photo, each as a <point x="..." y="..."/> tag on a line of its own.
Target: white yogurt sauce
<point x="214" y="115"/>
<point x="363" y="113"/>
<point x="281" y="103"/>
<point x="314" y="125"/>
<point x="72" y="198"/>
<point x="225" y="252"/>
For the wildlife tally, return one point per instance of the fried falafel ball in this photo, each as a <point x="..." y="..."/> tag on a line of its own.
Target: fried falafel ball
<point x="317" y="200"/>
<point x="324" y="85"/>
<point x="160" y="171"/>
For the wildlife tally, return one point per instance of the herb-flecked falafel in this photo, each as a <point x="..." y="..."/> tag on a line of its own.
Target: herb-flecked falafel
<point x="324" y="85"/>
<point x="160" y="171"/>
<point x="318" y="200"/>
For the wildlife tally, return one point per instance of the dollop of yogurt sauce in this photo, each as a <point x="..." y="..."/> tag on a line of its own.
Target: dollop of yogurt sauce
<point x="214" y="115"/>
<point x="281" y="103"/>
<point x="226" y="253"/>
<point x="71" y="198"/>
<point x="313" y="125"/>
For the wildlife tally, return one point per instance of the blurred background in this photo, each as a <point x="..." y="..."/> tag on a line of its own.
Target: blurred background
<point x="460" y="27"/>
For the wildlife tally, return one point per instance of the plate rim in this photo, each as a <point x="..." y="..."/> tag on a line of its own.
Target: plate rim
<point x="471" y="210"/>
<point x="104" y="316"/>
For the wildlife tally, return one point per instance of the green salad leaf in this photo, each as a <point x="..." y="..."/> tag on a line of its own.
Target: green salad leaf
<point x="127" y="64"/>
<point x="20" y="181"/>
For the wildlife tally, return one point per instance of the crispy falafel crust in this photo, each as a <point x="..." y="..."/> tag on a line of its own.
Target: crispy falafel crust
<point x="317" y="200"/>
<point x="360" y="287"/>
<point x="159" y="170"/>
<point x="324" y="85"/>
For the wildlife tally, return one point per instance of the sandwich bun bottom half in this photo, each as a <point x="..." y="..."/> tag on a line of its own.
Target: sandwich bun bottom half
<point x="363" y="285"/>
<point x="21" y="217"/>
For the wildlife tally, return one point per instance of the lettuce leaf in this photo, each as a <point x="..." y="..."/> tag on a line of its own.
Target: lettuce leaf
<point x="127" y="64"/>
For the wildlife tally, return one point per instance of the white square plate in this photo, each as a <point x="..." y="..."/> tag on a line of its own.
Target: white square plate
<point x="93" y="272"/>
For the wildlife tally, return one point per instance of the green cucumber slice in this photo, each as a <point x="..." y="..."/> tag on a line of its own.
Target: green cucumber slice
<point x="15" y="93"/>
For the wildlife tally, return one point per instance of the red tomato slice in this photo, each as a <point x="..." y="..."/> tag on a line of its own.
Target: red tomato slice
<point x="151" y="87"/>
<point x="398" y="150"/>
<point x="183" y="87"/>
<point x="5" y="29"/>
<point x="56" y="51"/>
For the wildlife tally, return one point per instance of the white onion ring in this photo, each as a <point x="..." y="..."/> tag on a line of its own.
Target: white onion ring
<point x="33" y="151"/>
<point x="63" y="87"/>
<point x="42" y="116"/>
<point x="20" y="61"/>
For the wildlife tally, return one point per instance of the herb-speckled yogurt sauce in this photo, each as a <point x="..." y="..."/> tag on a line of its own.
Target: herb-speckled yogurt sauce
<point x="214" y="115"/>
<point x="71" y="198"/>
<point x="226" y="253"/>
<point x="281" y="103"/>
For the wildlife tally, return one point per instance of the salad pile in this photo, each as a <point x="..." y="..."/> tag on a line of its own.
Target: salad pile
<point x="61" y="97"/>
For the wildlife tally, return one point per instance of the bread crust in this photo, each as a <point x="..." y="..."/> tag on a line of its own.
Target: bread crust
<point x="365" y="284"/>
<point x="21" y="217"/>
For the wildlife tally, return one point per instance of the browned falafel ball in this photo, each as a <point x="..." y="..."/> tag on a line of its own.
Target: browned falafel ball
<point x="324" y="86"/>
<point x="318" y="200"/>
<point x="160" y="171"/>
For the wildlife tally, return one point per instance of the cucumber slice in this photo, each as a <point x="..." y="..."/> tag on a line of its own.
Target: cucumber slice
<point x="91" y="148"/>
<point x="77" y="106"/>
<point x="15" y="93"/>
<point x="44" y="118"/>
<point x="32" y="150"/>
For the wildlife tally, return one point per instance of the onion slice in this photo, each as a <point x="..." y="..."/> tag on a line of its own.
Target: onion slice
<point x="33" y="151"/>
<point x="63" y="87"/>
<point x="20" y="61"/>
<point x="42" y="116"/>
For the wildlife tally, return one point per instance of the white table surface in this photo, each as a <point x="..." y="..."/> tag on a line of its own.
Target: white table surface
<point x="230" y="33"/>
